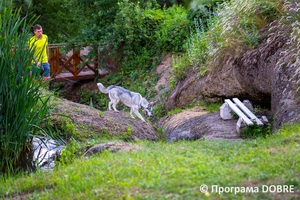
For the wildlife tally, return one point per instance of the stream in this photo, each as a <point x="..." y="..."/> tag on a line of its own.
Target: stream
<point x="43" y="154"/>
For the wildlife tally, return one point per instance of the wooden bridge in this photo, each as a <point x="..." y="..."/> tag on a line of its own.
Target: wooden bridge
<point x="66" y="68"/>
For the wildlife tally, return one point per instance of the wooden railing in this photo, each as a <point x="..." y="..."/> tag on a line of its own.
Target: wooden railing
<point x="66" y="68"/>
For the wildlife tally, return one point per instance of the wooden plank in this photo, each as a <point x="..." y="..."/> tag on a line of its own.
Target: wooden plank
<point x="70" y="76"/>
<point x="96" y="60"/>
<point x="247" y="111"/>
<point x="239" y="112"/>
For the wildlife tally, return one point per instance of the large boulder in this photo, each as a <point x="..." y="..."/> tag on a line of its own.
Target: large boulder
<point x="196" y="124"/>
<point x="118" y="124"/>
<point x="266" y="75"/>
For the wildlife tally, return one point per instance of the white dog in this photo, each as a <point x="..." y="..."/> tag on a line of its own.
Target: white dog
<point x="131" y="99"/>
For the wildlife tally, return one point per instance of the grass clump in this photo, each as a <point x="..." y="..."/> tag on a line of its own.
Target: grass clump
<point x="172" y="170"/>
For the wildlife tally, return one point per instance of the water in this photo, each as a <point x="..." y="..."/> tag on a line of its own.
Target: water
<point x="44" y="152"/>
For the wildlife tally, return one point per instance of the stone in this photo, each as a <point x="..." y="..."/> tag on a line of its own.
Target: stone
<point x="248" y="105"/>
<point x="265" y="120"/>
<point x="225" y="112"/>
<point x="192" y="125"/>
<point x="240" y="125"/>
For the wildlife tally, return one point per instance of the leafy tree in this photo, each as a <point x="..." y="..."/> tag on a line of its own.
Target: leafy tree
<point x="140" y="28"/>
<point x="59" y="18"/>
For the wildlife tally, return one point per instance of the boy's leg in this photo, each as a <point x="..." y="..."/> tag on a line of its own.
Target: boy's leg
<point x="46" y="69"/>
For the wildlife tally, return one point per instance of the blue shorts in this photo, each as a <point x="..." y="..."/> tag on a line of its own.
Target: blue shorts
<point x="45" y="71"/>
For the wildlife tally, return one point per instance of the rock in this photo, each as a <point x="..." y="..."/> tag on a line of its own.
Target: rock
<point x="163" y="72"/>
<point x="225" y="112"/>
<point x="117" y="124"/>
<point x="240" y="125"/>
<point x="248" y="105"/>
<point x="256" y="75"/>
<point x="191" y="125"/>
<point x="264" y="120"/>
<point x="112" y="146"/>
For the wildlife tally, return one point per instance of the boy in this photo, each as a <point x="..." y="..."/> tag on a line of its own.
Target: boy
<point x="39" y="43"/>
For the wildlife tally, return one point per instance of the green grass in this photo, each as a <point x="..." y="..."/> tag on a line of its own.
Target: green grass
<point x="172" y="171"/>
<point x="174" y="111"/>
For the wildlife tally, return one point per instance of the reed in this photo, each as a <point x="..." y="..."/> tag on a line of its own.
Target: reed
<point x="23" y="107"/>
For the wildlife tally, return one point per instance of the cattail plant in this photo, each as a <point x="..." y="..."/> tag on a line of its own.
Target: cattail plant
<point x="23" y="107"/>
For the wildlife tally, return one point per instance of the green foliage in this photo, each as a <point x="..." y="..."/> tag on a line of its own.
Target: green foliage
<point x="60" y="19"/>
<point x="174" y="111"/>
<point x="127" y="136"/>
<point x="211" y="107"/>
<point x="161" y="133"/>
<point x="159" y="109"/>
<point x="201" y="9"/>
<point x="94" y="99"/>
<point x="24" y="110"/>
<point x="234" y="26"/>
<point x="137" y="32"/>
<point x="234" y="115"/>
<point x="255" y="131"/>
<point x="181" y="66"/>
<point x="68" y="154"/>
<point x="171" y="29"/>
<point x="161" y="86"/>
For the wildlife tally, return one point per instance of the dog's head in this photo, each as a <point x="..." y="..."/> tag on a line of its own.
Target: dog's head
<point x="147" y="107"/>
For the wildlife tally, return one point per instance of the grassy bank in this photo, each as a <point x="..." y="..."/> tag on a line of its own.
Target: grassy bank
<point x="172" y="171"/>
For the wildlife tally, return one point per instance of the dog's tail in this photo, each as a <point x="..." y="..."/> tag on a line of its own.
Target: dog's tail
<point x="102" y="88"/>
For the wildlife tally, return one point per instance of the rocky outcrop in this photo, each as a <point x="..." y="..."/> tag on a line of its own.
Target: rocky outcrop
<point x="266" y="75"/>
<point x="116" y="124"/>
<point x="196" y="124"/>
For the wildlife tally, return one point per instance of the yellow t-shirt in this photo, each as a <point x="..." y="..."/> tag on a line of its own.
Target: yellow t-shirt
<point x="40" y="48"/>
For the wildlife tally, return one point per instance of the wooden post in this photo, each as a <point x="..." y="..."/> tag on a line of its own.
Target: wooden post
<point x="96" y="62"/>
<point x="57" y="59"/>
<point x="74" y="63"/>
<point x="52" y="61"/>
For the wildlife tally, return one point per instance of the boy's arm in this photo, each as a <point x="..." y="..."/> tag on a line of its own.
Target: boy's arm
<point x="33" y="57"/>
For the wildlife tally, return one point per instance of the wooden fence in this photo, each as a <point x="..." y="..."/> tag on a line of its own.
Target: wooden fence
<point x="66" y="68"/>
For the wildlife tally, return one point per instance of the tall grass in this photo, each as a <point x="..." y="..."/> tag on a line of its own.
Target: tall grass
<point x="23" y="108"/>
<point x="233" y="27"/>
<point x="291" y="16"/>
